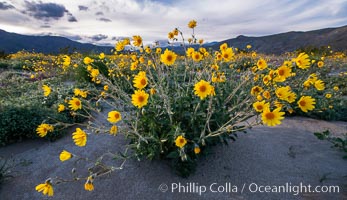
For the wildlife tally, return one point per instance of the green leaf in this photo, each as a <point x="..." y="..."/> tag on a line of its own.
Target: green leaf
<point x="173" y="154"/>
<point x="319" y="135"/>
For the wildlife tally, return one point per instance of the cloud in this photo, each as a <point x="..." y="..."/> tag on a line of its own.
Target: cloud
<point x="118" y="38"/>
<point x="45" y="26"/>
<point x="98" y="37"/>
<point x="82" y="8"/>
<point x="105" y="19"/>
<point x="71" y="18"/>
<point x="47" y="11"/>
<point x="5" y="6"/>
<point x="153" y="19"/>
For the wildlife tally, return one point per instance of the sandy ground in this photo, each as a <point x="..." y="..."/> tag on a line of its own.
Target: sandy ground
<point x="285" y="155"/>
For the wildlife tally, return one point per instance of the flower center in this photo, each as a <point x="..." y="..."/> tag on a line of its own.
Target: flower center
<point x="302" y="103"/>
<point x="143" y="82"/>
<point x="270" y="115"/>
<point x="260" y="107"/>
<point x="169" y="58"/>
<point x="116" y="115"/>
<point x="181" y="140"/>
<point x="77" y="103"/>
<point x="281" y="72"/>
<point x="141" y="99"/>
<point x="203" y="88"/>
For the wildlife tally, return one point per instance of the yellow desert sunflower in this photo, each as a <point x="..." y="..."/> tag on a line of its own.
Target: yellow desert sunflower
<point x="197" y="56"/>
<point x="328" y="96"/>
<point x="266" y="94"/>
<point x="303" y="61"/>
<point x="140" y="81"/>
<point x="158" y="50"/>
<point x="272" y="118"/>
<point x="79" y="137"/>
<point x="283" y="72"/>
<point x="61" y="107"/>
<point x="46" y="188"/>
<point x="75" y="104"/>
<point x="113" y="130"/>
<point x="101" y="55"/>
<point x="89" y="184"/>
<point x="190" y="51"/>
<point x="192" y="24"/>
<point x="197" y="149"/>
<point x="171" y="35"/>
<point x="291" y="97"/>
<point x="261" y="64"/>
<point x="228" y="54"/>
<point x="126" y="41"/>
<point x="180" y="141"/>
<point x="283" y="92"/>
<point x="81" y="93"/>
<point x="114" y="116"/>
<point x="65" y="155"/>
<point x="175" y="31"/>
<point x="119" y="46"/>
<point x="256" y="90"/>
<point x="148" y="49"/>
<point x="43" y="129"/>
<point x="267" y="79"/>
<point x="46" y="90"/>
<point x="259" y="106"/>
<point x="306" y="103"/>
<point x="137" y="40"/>
<point x="223" y="46"/>
<point x="152" y="91"/>
<point x="139" y="98"/>
<point x="87" y="60"/>
<point x="202" y="89"/>
<point x="94" y="73"/>
<point x="319" y="85"/>
<point x="66" y="60"/>
<point x="168" y="57"/>
<point x="219" y="78"/>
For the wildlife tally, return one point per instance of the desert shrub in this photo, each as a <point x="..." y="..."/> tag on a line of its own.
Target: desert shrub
<point x="20" y="122"/>
<point x="175" y="107"/>
<point x="25" y="107"/>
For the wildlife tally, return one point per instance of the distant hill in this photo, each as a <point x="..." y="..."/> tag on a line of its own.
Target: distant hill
<point x="291" y="41"/>
<point x="13" y="42"/>
<point x="271" y="44"/>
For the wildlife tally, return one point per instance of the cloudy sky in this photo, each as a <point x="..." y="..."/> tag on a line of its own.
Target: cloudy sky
<point x="105" y="21"/>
